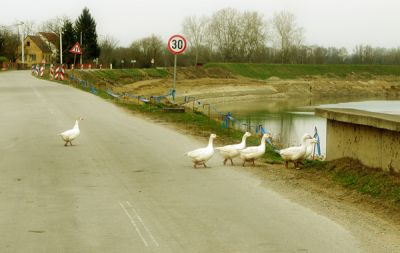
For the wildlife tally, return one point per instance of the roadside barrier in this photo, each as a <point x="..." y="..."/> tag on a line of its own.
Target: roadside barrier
<point x="42" y="70"/>
<point x="51" y="72"/>
<point x="62" y="73"/>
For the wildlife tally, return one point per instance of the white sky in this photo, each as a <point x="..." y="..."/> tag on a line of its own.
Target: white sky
<point x="326" y="22"/>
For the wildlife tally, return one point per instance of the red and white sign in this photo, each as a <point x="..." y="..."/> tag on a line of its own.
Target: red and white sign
<point x="177" y="44"/>
<point x="76" y="49"/>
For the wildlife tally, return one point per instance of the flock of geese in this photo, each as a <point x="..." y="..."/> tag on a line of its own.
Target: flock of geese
<point x="247" y="154"/>
<point x="292" y="154"/>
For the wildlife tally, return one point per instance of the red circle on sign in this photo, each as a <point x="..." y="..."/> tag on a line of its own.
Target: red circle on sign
<point x="177" y="49"/>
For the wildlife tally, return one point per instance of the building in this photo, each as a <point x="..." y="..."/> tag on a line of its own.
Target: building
<point x="39" y="48"/>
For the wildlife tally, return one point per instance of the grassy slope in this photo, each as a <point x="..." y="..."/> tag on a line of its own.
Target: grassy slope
<point x="290" y="71"/>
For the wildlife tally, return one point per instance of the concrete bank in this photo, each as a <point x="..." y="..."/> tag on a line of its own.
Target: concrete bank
<point x="372" y="138"/>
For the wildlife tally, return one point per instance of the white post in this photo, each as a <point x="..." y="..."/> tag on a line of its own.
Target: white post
<point x="61" y="59"/>
<point x="22" y="45"/>
<point x="81" y="55"/>
<point x="174" y="90"/>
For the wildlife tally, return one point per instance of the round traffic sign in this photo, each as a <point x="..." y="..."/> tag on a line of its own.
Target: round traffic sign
<point x="177" y="44"/>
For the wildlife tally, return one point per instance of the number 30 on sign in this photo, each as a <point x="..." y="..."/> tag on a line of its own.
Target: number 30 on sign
<point x="177" y="44"/>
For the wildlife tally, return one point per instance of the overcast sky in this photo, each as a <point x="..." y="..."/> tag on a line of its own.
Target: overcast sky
<point x="326" y="22"/>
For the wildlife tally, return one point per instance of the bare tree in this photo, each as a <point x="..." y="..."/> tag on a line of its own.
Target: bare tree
<point x="288" y="33"/>
<point x="253" y="34"/>
<point x="195" y="30"/>
<point x="149" y="48"/>
<point x="53" y="25"/>
<point x="225" y="32"/>
<point x="108" y="45"/>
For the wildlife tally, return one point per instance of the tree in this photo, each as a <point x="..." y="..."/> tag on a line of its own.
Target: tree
<point x="225" y="31"/>
<point x="69" y="39"/>
<point x="149" y="48"/>
<point x="288" y="33"/>
<point x="53" y="25"/>
<point x="86" y="26"/>
<point x="253" y="35"/>
<point x="195" y="30"/>
<point x="107" y="50"/>
<point x="9" y="43"/>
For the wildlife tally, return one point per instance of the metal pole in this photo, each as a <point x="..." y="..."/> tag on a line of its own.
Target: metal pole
<point x="174" y="89"/>
<point x="22" y="45"/>
<point x="82" y="52"/>
<point x="61" y="59"/>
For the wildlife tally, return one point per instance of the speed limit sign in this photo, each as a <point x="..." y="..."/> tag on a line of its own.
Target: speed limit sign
<point x="177" y="44"/>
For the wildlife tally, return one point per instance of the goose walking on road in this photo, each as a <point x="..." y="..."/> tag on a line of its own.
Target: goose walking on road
<point x="231" y="151"/>
<point x="297" y="153"/>
<point x="202" y="155"/>
<point x="70" y="135"/>
<point x="250" y="154"/>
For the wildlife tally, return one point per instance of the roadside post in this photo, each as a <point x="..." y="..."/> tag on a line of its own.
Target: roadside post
<point x="176" y="45"/>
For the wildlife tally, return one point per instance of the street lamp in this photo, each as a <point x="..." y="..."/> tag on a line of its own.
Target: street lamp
<point x="133" y="63"/>
<point x="122" y="63"/>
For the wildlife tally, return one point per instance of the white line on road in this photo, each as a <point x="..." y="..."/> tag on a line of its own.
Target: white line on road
<point x="134" y="225"/>
<point x="141" y="221"/>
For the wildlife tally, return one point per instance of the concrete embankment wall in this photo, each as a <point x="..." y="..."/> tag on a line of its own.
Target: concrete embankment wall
<point x="372" y="138"/>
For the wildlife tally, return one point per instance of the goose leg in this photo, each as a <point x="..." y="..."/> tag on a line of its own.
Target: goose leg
<point x="254" y="163"/>
<point x="225" y="160"/>
<point x="286" y="164"/>
<point x="204" y="164"/>
<point x="231" y="162"/>
<point x="244" y="161"/>
<point x="194" y="165"/>
<point x="65" y="144"/>
<point x="70" y="143"/>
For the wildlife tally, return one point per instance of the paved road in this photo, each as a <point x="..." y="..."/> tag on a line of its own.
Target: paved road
<point x="126" y="186"/>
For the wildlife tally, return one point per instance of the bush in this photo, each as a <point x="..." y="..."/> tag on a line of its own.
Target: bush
<point x="3" y="59"/>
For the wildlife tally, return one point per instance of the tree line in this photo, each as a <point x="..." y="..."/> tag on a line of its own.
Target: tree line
<point x="228" y="35"/>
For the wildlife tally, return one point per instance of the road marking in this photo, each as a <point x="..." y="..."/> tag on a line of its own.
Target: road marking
<point x="134" y="225"/>
<point x="145" y="227"/>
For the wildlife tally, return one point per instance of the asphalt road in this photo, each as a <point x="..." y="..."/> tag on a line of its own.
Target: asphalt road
<point x="126" y="187"/>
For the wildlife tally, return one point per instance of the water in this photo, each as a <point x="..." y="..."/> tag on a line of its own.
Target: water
<point x="288" y="120"/>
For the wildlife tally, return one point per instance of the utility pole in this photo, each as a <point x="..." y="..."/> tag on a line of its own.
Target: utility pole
<point x="22" y="43"/>
<point x="61" y="50"/>
<point x="82" y="52"/>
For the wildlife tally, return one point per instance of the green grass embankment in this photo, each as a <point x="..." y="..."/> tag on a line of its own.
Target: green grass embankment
<point x="291" y="71"/>
<point x="351" y="174"/>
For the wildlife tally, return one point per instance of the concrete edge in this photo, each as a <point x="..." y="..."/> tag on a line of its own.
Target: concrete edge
<point x="360" y="117"/>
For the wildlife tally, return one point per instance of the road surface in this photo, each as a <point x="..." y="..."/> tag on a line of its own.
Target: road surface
<point x="125" y="186"/>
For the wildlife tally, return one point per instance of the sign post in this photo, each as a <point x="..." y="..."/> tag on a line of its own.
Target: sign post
<point x="176" y="45"/>
<point x="76" y="49"/>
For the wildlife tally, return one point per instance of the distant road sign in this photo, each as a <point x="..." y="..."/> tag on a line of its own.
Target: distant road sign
<point x="76" y="49"/>
<point x="177" y="44"/>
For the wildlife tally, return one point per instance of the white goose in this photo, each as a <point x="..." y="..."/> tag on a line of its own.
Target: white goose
<point x="202" y="155"/>
<point x="70" y="135"/>
<point x="231" y="151"/>
<point x="250" y="154"/>
<point x="310" y="148"/>
<point x="295" y="153"/>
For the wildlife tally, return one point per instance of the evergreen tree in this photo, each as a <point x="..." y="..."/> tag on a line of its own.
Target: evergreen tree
<point x="69" y="39"/>
<point x="86" y="25"/>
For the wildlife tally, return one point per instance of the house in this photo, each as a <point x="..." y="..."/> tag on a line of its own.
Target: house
<point x="39" y="48"/>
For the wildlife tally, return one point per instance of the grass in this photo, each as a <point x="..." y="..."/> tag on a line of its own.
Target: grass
<point x="291" y="71"/>
<point x="353" y="175"/>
